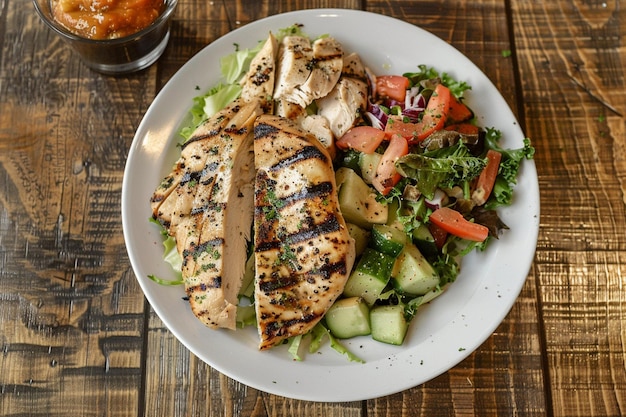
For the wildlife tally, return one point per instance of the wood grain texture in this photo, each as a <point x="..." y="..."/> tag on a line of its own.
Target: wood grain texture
<point x="71" y="311"/>
<point x="78" y="338"/>
<point x="571" y="56"/>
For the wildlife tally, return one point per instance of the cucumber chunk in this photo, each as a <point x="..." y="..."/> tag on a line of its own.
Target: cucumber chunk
<point x="388" y="239"/>
<point x="361" y="237"/>
<point x="349" y="317"/>
<point x="368" y="162"/>
<point x="370" y="277"/>
<point x="412" y="274"/>
<point x="425" y="241"/>
<point x="388" y="324"/>
<point x="357" y="200"/>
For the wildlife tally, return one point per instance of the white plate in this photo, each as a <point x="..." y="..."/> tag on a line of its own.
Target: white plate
<point x="443" y="333"/>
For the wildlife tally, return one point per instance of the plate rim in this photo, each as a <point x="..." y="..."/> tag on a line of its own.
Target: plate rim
<point x="274" y="387"/>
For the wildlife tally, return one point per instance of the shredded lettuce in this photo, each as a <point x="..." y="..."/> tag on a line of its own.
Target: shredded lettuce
<point x="294" y="347"/>
<point x="318" y="335"/>
<point x="235" y="65"/>
<point x="171" y="256"/>
<point x="246" y="316"/>
<point x="162" y="281"/>
<point x="221" y="98"/>
<point x="319" y="332"/>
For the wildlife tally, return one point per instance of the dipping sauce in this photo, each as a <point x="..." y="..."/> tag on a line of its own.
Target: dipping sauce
<point x="106" y="19"/>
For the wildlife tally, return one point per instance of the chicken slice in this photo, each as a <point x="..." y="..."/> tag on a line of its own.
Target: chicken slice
<point x="303" y="251"/>
<point x="319" y="127"/>
<point x="345" y="104"/>
<point x="325" y="72"/>
<point x="307" y="72"/>
<point x="294" y="66"/>
<point x="259" y="81"/>
<point x="212" y="211"/>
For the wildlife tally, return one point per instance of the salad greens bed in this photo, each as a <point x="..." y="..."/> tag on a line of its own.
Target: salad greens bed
<point x="419" y="186"/>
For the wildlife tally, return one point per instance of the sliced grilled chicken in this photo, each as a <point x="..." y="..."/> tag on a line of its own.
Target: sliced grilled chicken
<point x="188" y="168"/>
<point x="295" y="56"/>
<point x="258" y="83"/>
<point x="307" y="72"/>
<point x="314" y="124"/>
<point x="345" y="104"/>
<point x="303" y="251"/>
<point x="325" y="72"/>
<point x="319" y="127"/>
<point x="210" y="210"/>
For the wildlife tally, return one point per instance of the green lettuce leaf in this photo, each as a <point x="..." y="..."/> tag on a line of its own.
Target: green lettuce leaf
<point x="443" y="168"/>
<point x="502" y="193"/>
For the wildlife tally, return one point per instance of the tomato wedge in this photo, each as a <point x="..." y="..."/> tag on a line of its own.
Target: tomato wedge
<point x="361" y="138"/>
<point x="464" y="128"/>
<point x="436" y="112"/>
<point x="458" y="112"/>
<point x="397" y="126"/>
<point x="454" y="223"/>
<point x="387" y="175"/>
<point x="392" y="86"/>
<point x="439" y="235"/>
<point x="487" y="178"/>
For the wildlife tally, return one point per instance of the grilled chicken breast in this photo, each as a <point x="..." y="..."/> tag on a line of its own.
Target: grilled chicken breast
<point x="206" y="203"/>
<point x="319" y="127"/>
<point x="245" y="168"/>
<point x="307" y="72"/>
<point x="303" y="252"/>
<point x="258" y="83"/>
<point x="348" y="100"/>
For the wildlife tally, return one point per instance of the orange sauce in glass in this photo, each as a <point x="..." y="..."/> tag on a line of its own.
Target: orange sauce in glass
<point x="106" y="19"/>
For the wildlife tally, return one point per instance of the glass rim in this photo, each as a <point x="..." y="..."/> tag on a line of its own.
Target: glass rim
<point x="46" y="16"/>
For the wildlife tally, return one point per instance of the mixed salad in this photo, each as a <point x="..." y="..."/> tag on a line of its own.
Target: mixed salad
<point x="419" y="186"/>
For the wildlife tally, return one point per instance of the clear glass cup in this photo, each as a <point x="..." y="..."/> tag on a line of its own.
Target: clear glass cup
<point x="116" y="56"/>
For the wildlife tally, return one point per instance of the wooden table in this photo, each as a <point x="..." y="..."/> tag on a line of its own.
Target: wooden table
<point x="78" y="338"/>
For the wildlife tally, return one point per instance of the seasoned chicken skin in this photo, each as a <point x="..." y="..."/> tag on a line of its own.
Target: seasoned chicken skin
<point x="303" y="252"/>
<point x="206" y="203"/>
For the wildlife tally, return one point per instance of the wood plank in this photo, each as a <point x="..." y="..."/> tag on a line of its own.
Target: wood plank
<point x="71" y="311"/>
<point x="76" y="331"/>
<point x="571" y="56"/>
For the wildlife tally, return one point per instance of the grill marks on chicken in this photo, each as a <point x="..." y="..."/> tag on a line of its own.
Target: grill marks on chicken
<point x="259" y="81"/>
<point x="206" y="204"/>
<point x="303" y="252"/>
<point x="245" y="168"/>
